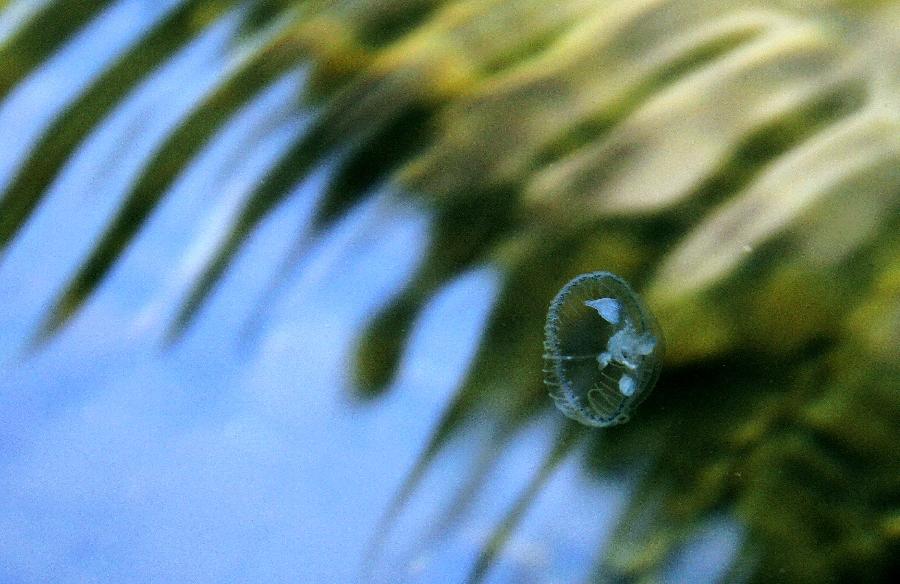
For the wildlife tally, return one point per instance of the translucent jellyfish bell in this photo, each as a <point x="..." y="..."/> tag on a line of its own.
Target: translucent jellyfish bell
<point x="603" y="350"/>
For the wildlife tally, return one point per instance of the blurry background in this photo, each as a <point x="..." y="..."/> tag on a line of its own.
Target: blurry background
<point x="273" y="278"/>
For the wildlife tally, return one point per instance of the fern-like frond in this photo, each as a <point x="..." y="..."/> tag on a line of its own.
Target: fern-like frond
<point x="42" y="32"/>
<point x="265" y="57"/>
<point x="58" y="143"/>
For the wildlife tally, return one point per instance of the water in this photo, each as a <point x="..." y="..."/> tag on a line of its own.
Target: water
<point x="216" y="461"/>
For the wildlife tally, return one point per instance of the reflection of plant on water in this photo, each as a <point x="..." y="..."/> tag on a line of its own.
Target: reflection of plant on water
<point x="737" y="161"/>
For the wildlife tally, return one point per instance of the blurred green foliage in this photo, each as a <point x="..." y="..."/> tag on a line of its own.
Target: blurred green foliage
<point x="737" y="161"/>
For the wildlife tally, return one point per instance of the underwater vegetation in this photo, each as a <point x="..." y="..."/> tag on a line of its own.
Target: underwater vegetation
<point x="738" y="162"/>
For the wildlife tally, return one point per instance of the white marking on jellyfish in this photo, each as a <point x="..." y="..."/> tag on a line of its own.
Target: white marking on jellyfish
<point x="645" y="344"/>
<point x="626" y="347"/>
<point x="604" y="358"/>
<point x="627" y="385"/>
<point x="609" y="308"/>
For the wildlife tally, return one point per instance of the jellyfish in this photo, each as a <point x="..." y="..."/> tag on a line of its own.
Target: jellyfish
<point x="603" y="350"/>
